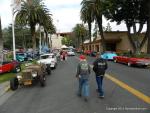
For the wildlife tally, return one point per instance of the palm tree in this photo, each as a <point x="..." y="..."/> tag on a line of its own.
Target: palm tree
<point x="96" y="7"/>
<point x="1" y="43"/>
<point x="87" y="16"/>
<point x="80" y="32"/>
<point x="32" y="12"/>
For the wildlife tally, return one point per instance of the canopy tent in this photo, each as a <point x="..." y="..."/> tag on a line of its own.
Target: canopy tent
<point x="64" y="47"/>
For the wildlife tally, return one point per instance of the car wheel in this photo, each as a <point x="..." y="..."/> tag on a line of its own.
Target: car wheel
<point x="42" y="81"/>
<point x="129" y="64"/>
<point x="17" y="69"/>
<point x="14" y="83"/>
<point x="115" y="60"/>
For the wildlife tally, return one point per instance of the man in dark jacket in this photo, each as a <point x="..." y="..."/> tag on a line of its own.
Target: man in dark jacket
<point x="99" y="67"/>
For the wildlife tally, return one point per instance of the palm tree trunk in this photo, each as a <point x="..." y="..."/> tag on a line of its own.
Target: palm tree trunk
<point x="90" y="27"/>
<point x="99" y="22"/>
<point x="82" y="43"/>
<point x="33" y="38"/>
<point x="1" y="43"/>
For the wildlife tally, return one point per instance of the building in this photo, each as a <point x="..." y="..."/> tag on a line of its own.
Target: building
<point x="115" y="41"/>
<point x="56" y="41"/>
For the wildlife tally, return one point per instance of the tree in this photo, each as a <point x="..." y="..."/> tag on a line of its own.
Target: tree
<point x="80" y="33"/>
<point x="1" y="44"/>
<point x="66" y="41"/>
<point x="32" y="12"/>
<point x="132" y="13"/>
<point x="96" y="7"/>
<point x="87" y="16"/>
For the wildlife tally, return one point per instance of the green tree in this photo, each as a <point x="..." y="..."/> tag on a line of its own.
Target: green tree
<point x="66" y="41"/>
<point x="132" y="13"/>
<point x="80" y="33"/>
<point x="32" y="12"/>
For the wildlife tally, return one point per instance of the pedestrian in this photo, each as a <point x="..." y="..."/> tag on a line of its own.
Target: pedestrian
<point x="99" y="67"/>
<point x="83" y="72"/>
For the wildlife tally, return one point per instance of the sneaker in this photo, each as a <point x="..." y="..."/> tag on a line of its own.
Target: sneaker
<point x="79" y="95"/>
<point x="85" y="99"/>
<point x="101" y="96"/>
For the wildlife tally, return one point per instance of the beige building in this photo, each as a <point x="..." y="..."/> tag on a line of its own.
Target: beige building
<point x="115" y="41"/>
<point x="56" y="41"/>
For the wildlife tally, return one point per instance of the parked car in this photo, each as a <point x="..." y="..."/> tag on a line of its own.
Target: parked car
<point x="48" y="59"/>
<point x="87" y="52"/>
<point x="10" y="66"/>
<point x="132" y="60"/>
<point x="32" y="74"/>
<point x="108" y="55"/>
<point x="70" y="53"/>
<point x="21" y="57"/>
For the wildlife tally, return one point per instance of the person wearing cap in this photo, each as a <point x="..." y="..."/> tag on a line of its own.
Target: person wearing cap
<point x="83" y="72"/>
<point x="99" y="67"/>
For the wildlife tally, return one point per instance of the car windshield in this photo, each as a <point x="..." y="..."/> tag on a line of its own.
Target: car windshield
<point x="47" y="56"/>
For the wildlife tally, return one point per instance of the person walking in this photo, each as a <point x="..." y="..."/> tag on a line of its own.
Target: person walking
<point x="83" y="72"/>
<point x="99" y="67"/>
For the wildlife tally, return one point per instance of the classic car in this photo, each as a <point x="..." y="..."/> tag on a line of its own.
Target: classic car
<point x="132" y="60"/>
<point x="30" y="75"/>
<point x="49" y="58"/>
<point x="21" y="57"/>
<point x="9" y="66"/>
<point x="108" y="55"/>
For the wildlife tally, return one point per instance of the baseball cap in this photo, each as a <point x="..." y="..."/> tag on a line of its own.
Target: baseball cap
<point x="82" y="57"/>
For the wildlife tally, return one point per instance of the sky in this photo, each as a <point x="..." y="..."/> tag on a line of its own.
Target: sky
<point x="65" y="14"/>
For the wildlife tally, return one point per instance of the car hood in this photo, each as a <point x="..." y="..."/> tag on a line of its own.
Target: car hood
<point x="45" y="61"/>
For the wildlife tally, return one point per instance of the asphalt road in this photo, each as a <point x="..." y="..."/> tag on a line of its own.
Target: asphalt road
<point x="59" y="95"/>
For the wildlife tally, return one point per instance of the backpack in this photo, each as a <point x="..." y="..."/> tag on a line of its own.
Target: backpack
<point x="84" y="67"/>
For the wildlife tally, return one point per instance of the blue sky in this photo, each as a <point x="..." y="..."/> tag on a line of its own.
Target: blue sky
<point x="66" y="14"/>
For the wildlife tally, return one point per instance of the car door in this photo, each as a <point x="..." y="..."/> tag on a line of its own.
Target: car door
<point x="6" y="67"/>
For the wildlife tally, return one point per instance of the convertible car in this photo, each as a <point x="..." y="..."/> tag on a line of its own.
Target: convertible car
<point x="108" y="55"/>
<point x="10" y="66"/>
<point x="130" y="61"/>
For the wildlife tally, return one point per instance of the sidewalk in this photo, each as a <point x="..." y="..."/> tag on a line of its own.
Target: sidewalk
<point x="4" y="87"/>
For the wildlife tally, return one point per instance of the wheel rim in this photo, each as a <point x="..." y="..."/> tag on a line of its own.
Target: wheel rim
<point x="129" y="64"/>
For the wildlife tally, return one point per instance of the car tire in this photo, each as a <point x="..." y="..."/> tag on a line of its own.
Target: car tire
<point x="129" y="64"/>
<point x="17" y="69"/>
<point x="42" y="81"/>
<point x="115" y="60"/>
<point x="14" y="83"/>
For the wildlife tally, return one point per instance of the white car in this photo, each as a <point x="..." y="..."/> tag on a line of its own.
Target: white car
<point x="48" y="59"/>
<point x="71" y="53"/>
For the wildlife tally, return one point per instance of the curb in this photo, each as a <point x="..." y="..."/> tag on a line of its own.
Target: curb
<point x="4" y="88"/>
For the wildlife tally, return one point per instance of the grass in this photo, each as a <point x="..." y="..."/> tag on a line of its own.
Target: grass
<point x="6" y="77"/>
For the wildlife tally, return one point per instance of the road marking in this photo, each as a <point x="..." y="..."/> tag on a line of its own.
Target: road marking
<point x="130" y="89"/>
<point x="133" y="91"/>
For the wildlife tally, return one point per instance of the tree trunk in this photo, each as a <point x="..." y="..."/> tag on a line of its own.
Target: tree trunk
<point x="33" y="37"/>
<point x="90" y="27"/>
<point x="1" y="44"/>
<point x="99" y="22"/>
<point x="148" y="27"/>
<point x="82" y="44"/>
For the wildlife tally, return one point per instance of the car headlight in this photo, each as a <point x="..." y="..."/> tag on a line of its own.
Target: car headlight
<point x="19" y="77"/>
<point x="34" y="74"/>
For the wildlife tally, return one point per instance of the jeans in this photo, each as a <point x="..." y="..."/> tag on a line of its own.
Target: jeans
<point x="83" y="87"/>
<point x="99" y="80"/>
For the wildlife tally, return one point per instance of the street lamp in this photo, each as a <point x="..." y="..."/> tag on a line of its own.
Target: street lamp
<point x="16" y="6"/>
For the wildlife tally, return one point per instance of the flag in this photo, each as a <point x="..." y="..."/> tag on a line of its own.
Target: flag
<point x="16" y="5"/>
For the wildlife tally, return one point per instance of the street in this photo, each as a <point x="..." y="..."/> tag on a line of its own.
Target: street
<point x="60" y="93"/>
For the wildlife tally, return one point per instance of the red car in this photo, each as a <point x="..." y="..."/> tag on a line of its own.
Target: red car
<point x="87" y="52"/>
<point x="132" y="60"/>
<point x="10" y="66"/>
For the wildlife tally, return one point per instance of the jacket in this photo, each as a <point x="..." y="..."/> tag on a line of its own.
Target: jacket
<point x="99" y="66"/>
<point x="84" y="73"/>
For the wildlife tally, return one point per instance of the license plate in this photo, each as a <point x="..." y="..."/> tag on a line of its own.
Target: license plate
<point x="29" y="82"/>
